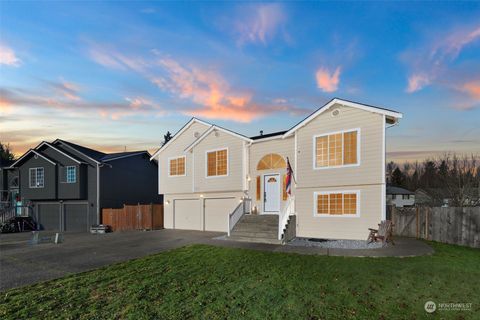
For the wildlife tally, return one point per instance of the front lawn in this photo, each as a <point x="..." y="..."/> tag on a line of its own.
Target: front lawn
<point x="209" y="282"/>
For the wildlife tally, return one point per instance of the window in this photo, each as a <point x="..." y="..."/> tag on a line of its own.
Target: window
<point x="338" y="149"/>
<point x="177" y="166"/>
<point x="217" y="163"/>
<point x="405" y="196"/>
<point x="394" y="196"/>
<point x="36" y="177"/>
<point x="71" y="174"/>
<point x="337" y="203"/>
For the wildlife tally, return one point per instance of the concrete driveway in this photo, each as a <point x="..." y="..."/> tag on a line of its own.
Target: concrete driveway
<point x="22" y="263"/>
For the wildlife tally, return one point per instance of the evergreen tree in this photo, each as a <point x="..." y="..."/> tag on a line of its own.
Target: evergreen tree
<point x="398" y="178"/>
<point x="167" y="137"/>
<point x="6" y="153"/>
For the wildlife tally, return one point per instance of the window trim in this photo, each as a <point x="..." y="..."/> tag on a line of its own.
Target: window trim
<point x="36" y="176"/>
<point x="168" y="167"/>
<point x="206" y="163"/>
<point x="314" y="149"/>
<point x="315" y="204"/>
<point x="75" y="170"/>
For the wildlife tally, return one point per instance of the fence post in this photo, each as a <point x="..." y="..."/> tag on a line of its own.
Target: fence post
<point x="426" y="223"/>
<point x="151" y="216"/>
<point x="417" y="222"/>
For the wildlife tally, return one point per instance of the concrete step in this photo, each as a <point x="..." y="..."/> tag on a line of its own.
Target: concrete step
<point x="265" y="218"/>
<point x="256" y="228"/>
<point x="255" y="234"/>
<point x="254" y="240"/>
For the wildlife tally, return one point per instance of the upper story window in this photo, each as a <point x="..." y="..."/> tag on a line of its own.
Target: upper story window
<point x="37" y="177"/>
<point x="68" y="174"/>
<point x="217" y="163"/>
<point x="176" y="166"/>
<point x="336" y="149"/>
<point x="406" y="197"/>
<point x="337" y="203"/>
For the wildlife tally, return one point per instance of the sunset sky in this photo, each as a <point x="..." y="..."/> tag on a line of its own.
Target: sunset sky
<point x="116" y="75"/>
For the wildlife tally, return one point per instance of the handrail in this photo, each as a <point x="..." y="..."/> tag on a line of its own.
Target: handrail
<point x="242" y="208"/>
<point x="287" y="211"/>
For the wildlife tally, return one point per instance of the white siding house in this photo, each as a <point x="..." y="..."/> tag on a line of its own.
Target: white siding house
<point x="337" y="156"/>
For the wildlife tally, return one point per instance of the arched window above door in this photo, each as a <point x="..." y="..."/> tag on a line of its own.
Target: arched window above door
<point x="271" y="161"/>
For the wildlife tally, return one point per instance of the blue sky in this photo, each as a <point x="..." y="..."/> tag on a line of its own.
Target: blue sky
<point x="120" y="74"/>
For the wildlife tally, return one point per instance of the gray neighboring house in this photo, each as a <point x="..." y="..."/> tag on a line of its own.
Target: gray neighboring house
<point x="67" y="185"/>
<point x="400" y="197"/>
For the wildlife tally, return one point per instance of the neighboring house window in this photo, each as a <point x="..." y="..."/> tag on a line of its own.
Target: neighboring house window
<point x="337" y="203"/>
<point x="339" y="149"/>
<point x="394" y="196"/>
<point x="177" y="166"/>
<point x="37" y="179"/>
<point x="406" y="197"/>
<point x="217" y="163"/>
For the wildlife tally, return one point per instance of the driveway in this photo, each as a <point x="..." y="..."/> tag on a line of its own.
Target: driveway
<point x="22" y="263"/>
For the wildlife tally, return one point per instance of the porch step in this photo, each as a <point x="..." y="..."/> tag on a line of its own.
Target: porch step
<point x="256" y="228"/>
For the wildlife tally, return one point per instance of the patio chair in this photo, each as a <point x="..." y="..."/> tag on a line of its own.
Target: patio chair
<point x="384" y="233"/>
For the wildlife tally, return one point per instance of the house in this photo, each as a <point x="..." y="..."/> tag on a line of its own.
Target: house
<point x="400" y="197"/>
<point x="8" y="190"/>
<point x="209" y="175"/>
<point x="67" y="185"/>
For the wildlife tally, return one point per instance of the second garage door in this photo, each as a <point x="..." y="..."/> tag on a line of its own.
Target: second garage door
<point x="217" y="211"/>
<point x="76" y="217"/>
<point x="187" y="214"/>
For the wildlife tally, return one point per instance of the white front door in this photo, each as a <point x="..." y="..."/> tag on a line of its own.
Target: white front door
<point x="271" y="195"/>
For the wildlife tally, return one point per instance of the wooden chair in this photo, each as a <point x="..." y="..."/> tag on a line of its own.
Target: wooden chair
<point x="384" y="233"/>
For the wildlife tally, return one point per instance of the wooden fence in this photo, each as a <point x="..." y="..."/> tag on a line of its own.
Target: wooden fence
<point x="448" y="225"/>
<point x="134" y="217"/>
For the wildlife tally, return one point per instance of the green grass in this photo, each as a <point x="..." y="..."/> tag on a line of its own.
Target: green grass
<point x="217" y="283"/>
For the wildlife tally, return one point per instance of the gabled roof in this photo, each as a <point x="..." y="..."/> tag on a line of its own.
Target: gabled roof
<point x="214" y="128"/>
<point x="398" y="190"/>
<point x="58" y="150"/>
<point x="179" y="132"/>
<point x="347" y="103"/>
<point x="36" y="153"/>
<point x="94" y="155"/>
<point x="121" y="155"/>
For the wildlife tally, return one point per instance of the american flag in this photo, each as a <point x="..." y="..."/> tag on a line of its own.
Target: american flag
<point x="288" y="179"/>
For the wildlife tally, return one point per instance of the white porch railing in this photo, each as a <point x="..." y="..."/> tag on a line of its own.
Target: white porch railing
<point x="242" y="208"/>
<point x="287" y="211"/>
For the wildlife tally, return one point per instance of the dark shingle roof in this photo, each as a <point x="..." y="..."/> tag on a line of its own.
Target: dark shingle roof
<point x="398" y="190"/>
<point x="94" y="154"/>
<point x="111" y="156"/>
<point x="268" y="135"/>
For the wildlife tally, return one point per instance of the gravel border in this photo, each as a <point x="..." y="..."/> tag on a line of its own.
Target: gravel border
<point x="337" y="244"/>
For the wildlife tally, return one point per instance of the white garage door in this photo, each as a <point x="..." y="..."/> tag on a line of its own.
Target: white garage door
<point x="187" y="214"/>
<point x="216" y="213"/>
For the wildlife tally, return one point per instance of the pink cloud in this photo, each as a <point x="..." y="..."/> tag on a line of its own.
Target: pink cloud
<point x="259" y="23"/>
<point x="472" y="88"/>
<point x="432" y="63"/>
<point x="417" y="82"/>
<point x="8" y="56"/>
<point x="327" y="81"/>
<point x="110" y="58"/>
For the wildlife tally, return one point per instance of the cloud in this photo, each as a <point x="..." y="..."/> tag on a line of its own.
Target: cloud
<point x="53" y="100"/>
<point x="431" y="64"/>
<point x="472" y="88"/>
<point x="260" y="23"/>
<point x="110" y="58"/>
<point x="8" y="56"/>
<point x="417" y="82"/>
<point x="212" y="93"/>
<point x="68" y="90"/>
<point x="327" y="81"/>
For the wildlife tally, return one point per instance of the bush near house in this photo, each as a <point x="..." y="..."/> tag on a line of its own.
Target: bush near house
<point x="208" y="282"/>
